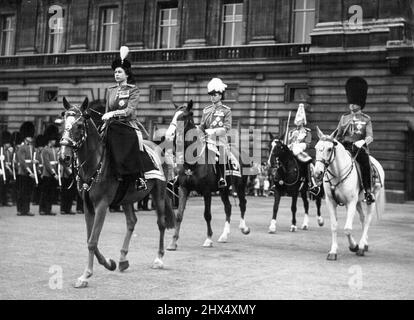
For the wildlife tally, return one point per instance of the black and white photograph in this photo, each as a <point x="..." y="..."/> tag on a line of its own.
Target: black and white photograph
<point x="205" y="155"/>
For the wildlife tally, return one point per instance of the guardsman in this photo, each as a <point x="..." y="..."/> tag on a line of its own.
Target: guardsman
<point x="16" y="141"/>
<point x="26" y="175"/>
<point x="216" y="123"/>
<point x="49" y="173"/>
<point x="40" y="143"/>
<point x="6" y="171"/>
<point x="123" y="135"/>
<point x="298" y="141"/>
<point x="355" y="130"/>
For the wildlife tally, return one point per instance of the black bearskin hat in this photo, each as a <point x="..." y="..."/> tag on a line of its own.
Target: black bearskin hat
<point x="122" y="61"/>
<point x="51" y="133"/>
<point x="27" y="129"/>
<point x="16" y="138"/>
<point x="40" y="141"/>
<point x="5" y="137"/>
<point x="356" y="91"/>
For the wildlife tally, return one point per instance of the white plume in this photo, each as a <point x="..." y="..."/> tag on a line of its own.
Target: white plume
<point x="300" y="115"/>
<point x="216" y="85"/>
<point x="124" y="52"/>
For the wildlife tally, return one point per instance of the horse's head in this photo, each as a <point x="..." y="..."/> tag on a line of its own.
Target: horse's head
<point x="277" y="149"/>
<point x="325" y="152"/>
<point x="183" y="113"/>
<point x="74" y="130"/>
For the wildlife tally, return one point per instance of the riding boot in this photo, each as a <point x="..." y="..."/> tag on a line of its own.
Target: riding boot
<point x="366" y="176"/>
<point x="313" y="187"/>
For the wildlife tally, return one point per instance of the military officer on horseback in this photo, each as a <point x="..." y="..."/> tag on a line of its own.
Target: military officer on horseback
<point x="124" y="138"/>
<point x="216" y="123"/>
<point x="355" y="131"/>
<point x="298" y="141"/>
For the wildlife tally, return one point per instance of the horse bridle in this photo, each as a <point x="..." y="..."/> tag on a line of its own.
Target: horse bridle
<point x="67" y="139"/>
<point x="280" y="164"/>
<point x="327" y="163"/>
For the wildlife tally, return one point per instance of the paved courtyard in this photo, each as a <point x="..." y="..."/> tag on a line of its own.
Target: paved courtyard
<point x="42" y="256"/>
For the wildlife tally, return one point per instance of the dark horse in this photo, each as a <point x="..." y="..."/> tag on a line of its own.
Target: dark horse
<point x="200" y="174"/>
<point x="83" y="147"/>
<point x="287" y="173"/>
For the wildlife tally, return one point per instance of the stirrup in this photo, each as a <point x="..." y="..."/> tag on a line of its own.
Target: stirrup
<point x="222" y="183"/>
<point x="140" y="184"/>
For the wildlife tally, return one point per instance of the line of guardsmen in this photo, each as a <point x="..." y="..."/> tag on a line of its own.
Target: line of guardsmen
<point x="30" y="173"/>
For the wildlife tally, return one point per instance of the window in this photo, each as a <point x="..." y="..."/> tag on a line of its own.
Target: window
<point x="232" y="93"/>
<point x="48" y="95"/>
<point x="303" y="20"/>
<point x="232" y="34"/>
<point x="7" y="36"/>
<point x="167" y="33"/>
<point x="56" y="31"/>
<point x="161" y="94"/>
<point x="296" y="92"/>
<point x="109" y="39"/>
<point x="4" y="94"/>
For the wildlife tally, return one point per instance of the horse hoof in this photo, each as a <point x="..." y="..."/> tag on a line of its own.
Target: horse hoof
<point x="354" y="249"/>
<point x="366" y="248"/>
<point x="172" y="247"/>
<point x="293" y="228"/>
<point x="320" y="222"/>
<point x="80" y="284"/>
<point x="157" y="264"/>
<point x="112" y="265"/>
<point x="245" y="231"/>
<point x="360" y="252"/>
<point x="305" y="227"/>
<point x="208" y="243"/>
<point x="332" y="257"/>
<point x="123" y="265"/>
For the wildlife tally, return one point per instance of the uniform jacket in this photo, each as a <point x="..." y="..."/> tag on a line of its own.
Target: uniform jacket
<point x="50" y="162"/>
<point x="8" y="162"/>
<point x="24" y="158"/>
<point x="355" y="126"/>
<point x="300" y="135"/>
<point x="217" y="116"/>
<point x="124" y="100"/>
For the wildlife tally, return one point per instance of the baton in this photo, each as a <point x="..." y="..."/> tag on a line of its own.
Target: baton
<point x="287" y="128"/>
<point x="3" y="170"/>
<point x="34" y="168"/>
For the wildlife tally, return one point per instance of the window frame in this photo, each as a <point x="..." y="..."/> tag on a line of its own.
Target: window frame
<point x="63" y="33"/>
<point x="42" y="92"/>
<point x="169" y="26"/>
<point x="233" y="22"/>
<point x="2" y="90"/>
<point x="289" y="97"/>
<point x="293" y="19"/>
<point x="102" y="25"/>
<point x="153" y="93"/>
<point x="12" y="49"/>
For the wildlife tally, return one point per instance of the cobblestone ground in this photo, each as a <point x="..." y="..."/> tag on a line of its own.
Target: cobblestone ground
<point x="36" y="250"/>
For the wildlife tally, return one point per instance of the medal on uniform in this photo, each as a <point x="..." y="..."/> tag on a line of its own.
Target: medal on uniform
<point x="121" y="103"/>
<point x="220" y="124"/>
<point x="218" y="119"/>
<point x="214" y="123"/>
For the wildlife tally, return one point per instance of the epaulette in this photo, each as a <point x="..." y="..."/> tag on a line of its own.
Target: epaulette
<point x="226" y="107"/>
<point x="111" y="87"/>
<point x="206" y="109"/>
<point x="131" y="85"/>
<point x="365" y="115"/>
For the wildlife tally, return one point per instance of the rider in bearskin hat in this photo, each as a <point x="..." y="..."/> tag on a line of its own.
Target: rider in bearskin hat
<point x="355" y="130"/>
<point x="25" y="173"/>
<point x="123" y="136"/>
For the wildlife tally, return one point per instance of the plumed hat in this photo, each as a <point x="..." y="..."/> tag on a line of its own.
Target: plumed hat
<point x="5" y="137"/>
<point x="51" y="133"/>
<point x="216" y="85"/>
<point x="40" y="141"/>
<point x="356" y="91"/>
<point x="300" y="117"/>
<point x="27" y="129"/>
<point x="122" y="60"/>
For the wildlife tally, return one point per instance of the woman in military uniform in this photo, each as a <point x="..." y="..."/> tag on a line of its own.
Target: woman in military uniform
<point x="216" y="123"/>
<point x="355" y="130"/>
<point x="123" y="136"/>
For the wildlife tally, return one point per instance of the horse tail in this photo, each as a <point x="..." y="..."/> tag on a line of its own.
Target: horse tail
<point x="380" y="202"/>
<point x="170" y="217"/>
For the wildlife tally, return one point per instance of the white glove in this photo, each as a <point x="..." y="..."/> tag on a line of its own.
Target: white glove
<point x="359" y="143"/>
<point x="298" y="148"/>
<point x="107" y="115"/>
<point x="210" y="132"/>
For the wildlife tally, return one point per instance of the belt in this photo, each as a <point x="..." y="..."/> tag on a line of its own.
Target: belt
<point x="53" y="163"/>
<point x="28" y="161"/>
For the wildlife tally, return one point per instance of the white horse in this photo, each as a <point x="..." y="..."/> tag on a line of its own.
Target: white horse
<point x="337" y="168"/>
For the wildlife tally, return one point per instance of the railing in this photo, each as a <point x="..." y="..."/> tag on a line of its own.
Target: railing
<point x="247" y="52"/>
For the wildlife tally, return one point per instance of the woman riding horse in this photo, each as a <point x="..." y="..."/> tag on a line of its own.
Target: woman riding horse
<point x="124" y="138"/>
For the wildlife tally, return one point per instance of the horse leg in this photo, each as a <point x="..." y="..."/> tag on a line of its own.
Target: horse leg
<point x="240" y="189"/>
<point x="182" y="195"/>
<point x="305" y="224"/>
<point x="131" y="220"/>
<point x="293" y="208"/>
<point x="224" y="194"/>
<point x="272" y="227"/>
<point x="208" y="243"/>
<point x="333" y="253"/>
<point x="318" y="202"/>
<point x="363" y="242"/>
<point x="350" y="214"/>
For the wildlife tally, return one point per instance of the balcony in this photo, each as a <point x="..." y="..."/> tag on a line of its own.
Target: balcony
<point x="161" y="56"/>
